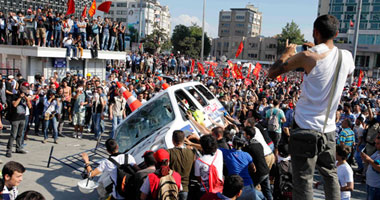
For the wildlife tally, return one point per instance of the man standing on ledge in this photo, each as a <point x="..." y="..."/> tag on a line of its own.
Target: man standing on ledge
<point x="319" y="63"/>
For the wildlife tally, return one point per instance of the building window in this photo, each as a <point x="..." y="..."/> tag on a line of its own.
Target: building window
<point x="351" y="1"/>
<point x="269" y="57"/>
<point x="252" y="55"/>
<point x="376" y="8"/>
<point x="365" y="8"/>
<point x="252" y="45"/>
<point x="349" y="16"/>
<point x="225" y="25"/>
<point x="375" y="17"/>
<point x="375" y="26"/>
<point x="272" y="46"/>
<point x="225" y="31"/>
<point x="119" y="5"/>
<point x="239" y="32"/>
<point x="240" y="17"/>
<point x="362" y="61"/>
<point x="226" y="44"/>
<point x="226" y="17"/>
<point x="363" y="26"/>
<point x="363" y="16"/>
<point x="219" y="45"/>
<point x="366" y="39"/>
<point x="338" y="1"/>
<point x="351" y="8"/>
<point x="240" y="25"/>
<point x="337" y="16"/>
<point x="337" y="8"/>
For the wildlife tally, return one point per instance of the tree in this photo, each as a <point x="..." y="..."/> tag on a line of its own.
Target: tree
<point x="154" y="42"/>
<point x="133" y="34"/>
<point x="290" y="32"/>
<point x="188" y="41"/>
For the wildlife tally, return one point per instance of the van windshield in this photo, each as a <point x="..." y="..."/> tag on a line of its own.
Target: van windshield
<point x="153" y="116"/>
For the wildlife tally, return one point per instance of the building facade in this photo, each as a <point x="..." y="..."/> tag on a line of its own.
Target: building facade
<point x="241" y="22"/>
<point x="59" y="6"/>
<point x="255" y="48"/>
<point x="368" y="52"/>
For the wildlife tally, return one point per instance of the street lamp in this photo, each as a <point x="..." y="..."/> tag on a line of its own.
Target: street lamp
<point x="203" y="30"/>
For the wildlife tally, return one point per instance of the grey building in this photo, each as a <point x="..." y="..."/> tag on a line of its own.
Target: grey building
<point x="368" y="53"/>
<point x="242" y="22"/>
<point x="56" y="5"/>
<point x="255" y="48"/>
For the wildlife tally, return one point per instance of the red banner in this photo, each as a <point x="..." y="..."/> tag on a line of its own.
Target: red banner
<point x="211" y="72"/>
<point x="257" y="69"/>
<point x="192" y="66"/>
<point x="84" y="12"/>
<point x="361" y="75"/>
<point x="286" y="79"/>
<point x="226" y="72"/>
<point x="233" y="71"/>
<point x="237" y="72"/>
<point x="70" y="7"/>
<point x="240" y="49"/>
<point x="105" y="6"/>
<point x="201" y="68"/>
<point x="279" y="78"/>
<point x="249" y="70"/>
<point x="247" y="82"/>
<point x="92" y="10"/>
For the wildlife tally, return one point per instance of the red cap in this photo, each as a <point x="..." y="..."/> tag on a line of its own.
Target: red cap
<point x="161" y="155"/>
<point x="26" y="84"/>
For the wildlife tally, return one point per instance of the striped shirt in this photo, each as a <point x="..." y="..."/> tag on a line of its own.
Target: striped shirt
<point x="346" y="137"/>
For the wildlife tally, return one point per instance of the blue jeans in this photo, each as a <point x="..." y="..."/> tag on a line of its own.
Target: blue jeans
<point x="48" y="37"/>
<point x="116" y="120"/>
<point x="96" y="117"/>
<point x="84" y="40"/>
<point x="105" y="39"/>
<point x="183" y="195"/>
<point x="25" y="127"/>
<point x="249" y="193"/>
<point x="265" y="186"/>
<point x="112" y="45"/>
<point x="68" y="50"/>
<point x="57" y="38"/>
<point x="358" y="158"/>
<point x="54" y="123"/>
<point x="373" y="193"/>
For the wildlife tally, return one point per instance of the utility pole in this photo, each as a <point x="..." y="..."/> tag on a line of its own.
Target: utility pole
<point x="140" y="23"/>
<point x="203" y="30"/>
<point x="356" y="35"/>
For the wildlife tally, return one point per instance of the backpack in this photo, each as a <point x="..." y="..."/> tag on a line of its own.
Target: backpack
<point x="273" y="124"/>
<point x="167" y="188"/>
<point x="214" y="183"/>
<point x="285" y="183"/>
<point x="125" y="176"/>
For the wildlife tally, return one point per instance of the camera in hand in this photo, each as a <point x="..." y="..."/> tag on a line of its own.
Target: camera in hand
<point x="301" y="48"/>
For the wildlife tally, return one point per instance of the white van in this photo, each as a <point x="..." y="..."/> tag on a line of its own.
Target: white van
<point x="151" y="126"/>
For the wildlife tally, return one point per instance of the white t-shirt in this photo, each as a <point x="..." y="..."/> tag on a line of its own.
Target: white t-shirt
<point x="67" y="41"/>
<point x="345" y="175"/>
<point x="311" y="108"/>
<point x="82" y="30"/>
<point x="260" y="138"/>
<point x="108" y="167"/>
<point x="202" y="169"/>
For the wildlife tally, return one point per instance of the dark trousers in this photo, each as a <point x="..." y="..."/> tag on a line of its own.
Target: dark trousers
<point x="17" y="127"/>
<point x="3" y="36"/>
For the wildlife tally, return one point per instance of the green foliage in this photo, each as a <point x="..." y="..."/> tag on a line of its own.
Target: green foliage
<point x="133" y="34"/>
<point x="188" y="41"/>
<point x="156" y="40"/>
<point x="290" y="32"/>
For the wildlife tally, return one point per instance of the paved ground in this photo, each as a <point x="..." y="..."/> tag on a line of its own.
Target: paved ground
<point x="60" y="181"/>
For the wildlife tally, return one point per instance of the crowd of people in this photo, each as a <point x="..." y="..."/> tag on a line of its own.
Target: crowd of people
<point x="247" y="157"/>
<point x="43" y="27"/>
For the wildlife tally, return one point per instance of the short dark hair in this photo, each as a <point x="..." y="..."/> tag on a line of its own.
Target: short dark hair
<point x="149" y="159"/>
<point x="275" y="102"/>
<point x="343" y="151"/>
<point x="250" y="131"/>
<point x="111" y="145"/>
<point x="251" y="121"/>
<point x="218" y="131"/>
<point x="11" y="167"/>
<point x="327" y="26"/>
<point x="232" y="186"/>
<point x="209" y="144"/>
<point x="30" y="195"/>
<point x="178" y="136"/>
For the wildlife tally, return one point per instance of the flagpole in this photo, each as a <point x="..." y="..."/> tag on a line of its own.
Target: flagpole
<point x="203" y="30"/>
<point x="356" y="36"/>
<point x="140" y="23"/>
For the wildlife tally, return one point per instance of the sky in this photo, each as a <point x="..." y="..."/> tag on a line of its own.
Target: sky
<point x="276" y="13"/>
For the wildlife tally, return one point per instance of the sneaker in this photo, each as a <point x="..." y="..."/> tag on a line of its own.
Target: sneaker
<point x="75" y="135"/>
<point x="68" y="58"/>
<point x="43" y="141"/>
<point x="21" y="151"/>
<point x="80" y="136"/>
<point x="8" y="155"/>
<point x="75" y="58"/>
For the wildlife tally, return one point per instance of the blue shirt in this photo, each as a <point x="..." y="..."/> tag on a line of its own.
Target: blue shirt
<point x="347" y="137"/>
<point x="373" y="177"/>
<point x="237" y="162"/>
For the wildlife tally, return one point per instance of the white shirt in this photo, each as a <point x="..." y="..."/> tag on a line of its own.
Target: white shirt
<point x="260" y="138"/>
<point x="67" y="41"/>
<point x="345" y="175"/>
<point x="202" y="170"/>
<point x="107" y="167"/>
<point x="12" y="193"/>
<point x="312" y="106"/>
<point x="82" y="23"/>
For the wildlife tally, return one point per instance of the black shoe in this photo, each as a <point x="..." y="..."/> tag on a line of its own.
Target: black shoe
<point x="55" y="141"/>
<point x="21" y="151"/>
<point x="61" y="135"/>
<point x="9" y="154"/>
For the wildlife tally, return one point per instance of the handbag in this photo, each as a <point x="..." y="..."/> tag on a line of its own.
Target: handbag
<point x="309" y="143"/>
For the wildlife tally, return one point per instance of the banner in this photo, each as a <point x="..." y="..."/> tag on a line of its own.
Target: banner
<point x="70" y="7"/>
<point x="240" y="49"/>
<point x="361" y="75"/>
<point x="92" y="9"/>
<point x="257" y="69"/>
<point x="249" y="70"/>
<point x="279" y="78"/>
<point x="192" y="66"/>
<point x="211" y="72"/>
<point x="105" y="6"/>
<point x="201" y="68"/>
<point x="84" y="12"/>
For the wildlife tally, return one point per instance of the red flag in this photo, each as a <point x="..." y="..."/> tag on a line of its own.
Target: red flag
<point x="226" y="72"/>
<point x="233" y="71"/>
<point x="105" y="6"/>
<point x="249" y="70"/>
<point x="221" y="79"/>
<point x="247" y="81"/>
<point x="70" y="7"/>
<point x="351" y="23"/>
<point x="92" y="9"/>
<point x="361" y="75"/>
<point x="211" y="72"/>
<point x="279" y="78"/>
<point x="257" y="69"/>
<point x="84" y="12"/>
<point x="201" y="68"/>
<point x="230" y="64"/>
<point x="140" y="46"/>
<point x="286" y="79"/>
<point x="192" y="66"/>
<point x="240" y="49"/>
<point x="237" y="72"/>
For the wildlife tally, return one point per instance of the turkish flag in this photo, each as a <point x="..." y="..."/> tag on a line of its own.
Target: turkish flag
<point x="84" y="12"/>
<point x="240" y="49"/>
<point x="247" y="82"/>
<point x="105" y="6"/>
<point x="351" y="23"/>
<point x="237" y="72"/>
<point x="286" y="79"/>
<point x="249" y="70"/>
<point x="211" y="72"/>
<point x="230" y="64"/>
<point x="257" y="69"/>
<point x="70" y="7"/>
<point x="279" y="78"/>
<point x="201" y="68"/>
<point x="192" y="66"/>
<point x="233" y="71"/>
<point x="226" y="72"/>
<point x="92" y="10"/>
<point x="361" y="75"/>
